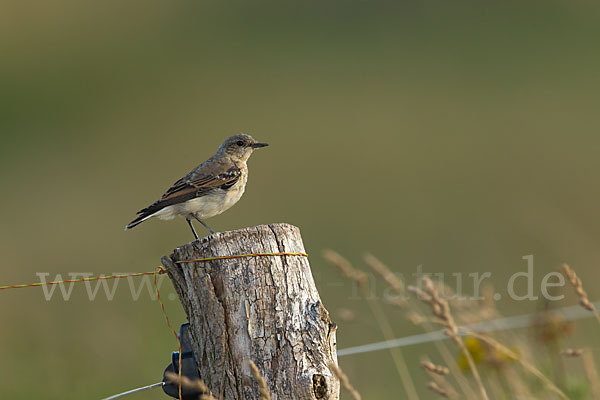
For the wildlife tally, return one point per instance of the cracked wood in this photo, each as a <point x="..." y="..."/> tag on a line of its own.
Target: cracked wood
<point x="266" y="309"/>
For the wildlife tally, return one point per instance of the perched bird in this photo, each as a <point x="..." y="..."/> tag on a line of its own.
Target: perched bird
<point x="209" y="189"/>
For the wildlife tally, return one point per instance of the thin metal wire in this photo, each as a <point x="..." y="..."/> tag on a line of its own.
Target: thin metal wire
<point x="157" y="271"/>
<point x="161" y="270"/>
<point x="240" y="256"/>
<point x="132" y="391"/>
<point x="570" y="313"/>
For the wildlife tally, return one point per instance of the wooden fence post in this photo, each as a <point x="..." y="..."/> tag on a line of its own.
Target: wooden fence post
<point x="265" y="309"/>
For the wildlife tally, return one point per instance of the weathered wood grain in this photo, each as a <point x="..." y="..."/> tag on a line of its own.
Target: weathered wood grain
<point x="266" y="309"/>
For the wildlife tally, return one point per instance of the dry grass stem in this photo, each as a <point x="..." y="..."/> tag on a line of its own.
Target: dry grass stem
<point x="185" y="382"/>
<point x="534" y="371"/>
<point x="591" y="373"/>
<point x="415" y="317"/>
<point x="346" y="314"/>
<point x="583" y="297"/>
<point x="262" y="384"/>
<point x="388" y="276"/>
<point x="421" y="295"/>
<point x="345" y="267"/>
<point x="453" y="314"/>
<point x="438" y="389"/>
<point x="436" y="369"/>
<point x="382" y="321"/>
<point x="396" y="352"/>
<point x="441" y="310"/>
<point x="344" y="381"/>
<point x="438" y="382"/>
<point x="418" y="319"/>
<point x="571" y="352"/>
<point x="518" y="387"/>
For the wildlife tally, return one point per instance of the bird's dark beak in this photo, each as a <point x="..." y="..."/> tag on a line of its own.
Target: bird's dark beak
<point x="258" y="145"/>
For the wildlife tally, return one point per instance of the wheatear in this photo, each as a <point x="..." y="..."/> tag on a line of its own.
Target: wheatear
<point x="209" y="189"/>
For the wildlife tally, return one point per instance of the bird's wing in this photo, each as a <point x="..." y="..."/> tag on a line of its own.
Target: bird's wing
<point x="191" y="187"/>
<point x="202" y="185"/>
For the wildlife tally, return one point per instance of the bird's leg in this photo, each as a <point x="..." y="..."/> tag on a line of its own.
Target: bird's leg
<point x="202" y="222"/>
<point x="189" y="221"/>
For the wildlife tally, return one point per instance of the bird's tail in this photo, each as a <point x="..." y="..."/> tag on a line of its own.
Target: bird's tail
<point x="154" y="209"/>
<point x="141" y="218"/>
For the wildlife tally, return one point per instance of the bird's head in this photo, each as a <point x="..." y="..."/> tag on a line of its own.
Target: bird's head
<point x="239" y="147"/>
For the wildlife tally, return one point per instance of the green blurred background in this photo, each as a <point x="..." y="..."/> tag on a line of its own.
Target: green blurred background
<point x="459" y="136"/>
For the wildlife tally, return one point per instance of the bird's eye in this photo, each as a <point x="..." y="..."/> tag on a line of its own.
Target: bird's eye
<point x="240" y="143"/>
